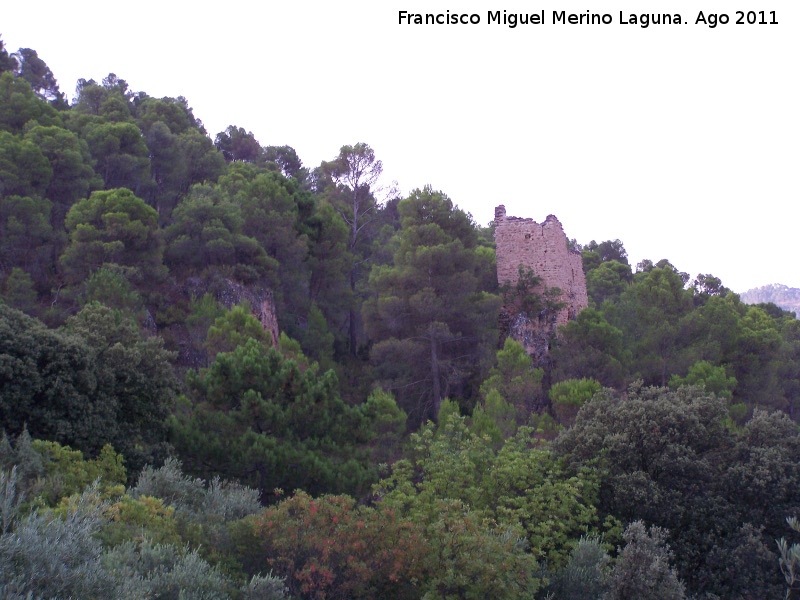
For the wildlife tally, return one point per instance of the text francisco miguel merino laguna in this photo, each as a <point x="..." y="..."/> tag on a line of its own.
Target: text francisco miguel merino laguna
<point x="562" y="17"/>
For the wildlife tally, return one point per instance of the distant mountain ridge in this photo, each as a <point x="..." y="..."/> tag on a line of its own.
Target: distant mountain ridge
<point x="788" y="298"/>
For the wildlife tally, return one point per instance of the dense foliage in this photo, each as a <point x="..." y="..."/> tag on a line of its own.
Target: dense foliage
<point x="224" y="374"/>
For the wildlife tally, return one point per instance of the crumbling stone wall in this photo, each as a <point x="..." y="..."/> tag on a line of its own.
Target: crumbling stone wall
<point x="543" y="248"/>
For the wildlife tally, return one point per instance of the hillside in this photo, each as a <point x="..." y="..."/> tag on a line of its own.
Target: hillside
<point x="226" y="374"/>
<point x="788" y="298"/>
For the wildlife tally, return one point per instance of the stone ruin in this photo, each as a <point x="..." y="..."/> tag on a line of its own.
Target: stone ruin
<point x="544" y="249"/>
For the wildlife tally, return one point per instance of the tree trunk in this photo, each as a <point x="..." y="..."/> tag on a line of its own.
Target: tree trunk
<point x="352" y="313"/>
<point x="437" y="388"/>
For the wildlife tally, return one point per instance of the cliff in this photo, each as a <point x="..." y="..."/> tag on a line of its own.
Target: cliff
<point x="786" y="297"/>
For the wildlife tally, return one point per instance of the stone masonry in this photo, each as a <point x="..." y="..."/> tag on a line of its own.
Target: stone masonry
<point x="542" y="248"/>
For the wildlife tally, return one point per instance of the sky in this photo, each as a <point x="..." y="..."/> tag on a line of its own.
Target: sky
<point x="680" y="140"/>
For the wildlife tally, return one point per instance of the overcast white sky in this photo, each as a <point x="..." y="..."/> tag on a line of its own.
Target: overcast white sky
<point x="682" y="141"/>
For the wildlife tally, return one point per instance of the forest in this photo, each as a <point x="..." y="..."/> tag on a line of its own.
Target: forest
<point x="226" y="374"/>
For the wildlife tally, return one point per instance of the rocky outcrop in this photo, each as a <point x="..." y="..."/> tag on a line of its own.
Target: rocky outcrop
<point x="788" y="298"/>
<point x="230" y="293"/>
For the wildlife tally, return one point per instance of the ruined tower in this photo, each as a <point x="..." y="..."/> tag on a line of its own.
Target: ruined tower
<point x="542" y="248"/>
